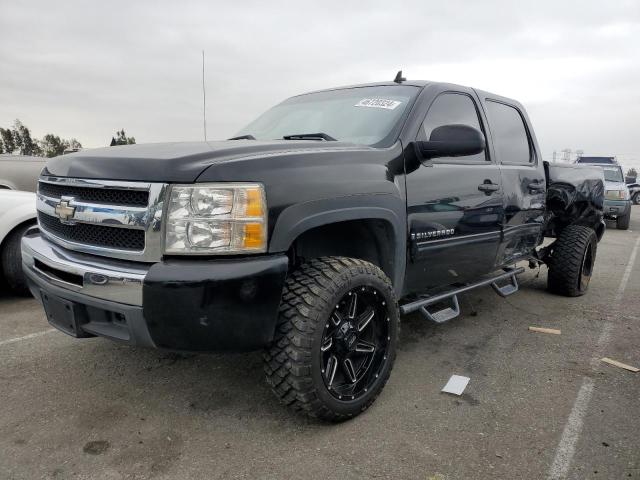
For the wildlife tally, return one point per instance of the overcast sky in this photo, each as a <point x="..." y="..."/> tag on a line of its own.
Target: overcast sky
<point x="84" y="69"/>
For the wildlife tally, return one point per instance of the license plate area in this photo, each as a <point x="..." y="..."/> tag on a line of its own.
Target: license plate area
<point x="61" y="314"/>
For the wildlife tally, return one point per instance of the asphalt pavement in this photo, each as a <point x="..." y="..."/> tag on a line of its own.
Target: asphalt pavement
<point x="538" y="405"/>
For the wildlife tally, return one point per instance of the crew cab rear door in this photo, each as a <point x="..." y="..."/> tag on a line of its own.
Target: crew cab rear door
<point x="454" y="204"/>
<point x="523" y="178"/>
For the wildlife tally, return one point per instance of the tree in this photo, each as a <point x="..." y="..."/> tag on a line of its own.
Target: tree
<point x="52" y="145"/>
<point x="632" y="172"/>
<point x="17" y="139"/>
<point x="22" y="139"/>
<point x="74" y="144"/>
<point x="122" y="139"/>
<point x="7" y="140"/>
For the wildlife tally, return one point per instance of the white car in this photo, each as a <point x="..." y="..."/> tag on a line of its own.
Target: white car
<point x="17" y="215"/>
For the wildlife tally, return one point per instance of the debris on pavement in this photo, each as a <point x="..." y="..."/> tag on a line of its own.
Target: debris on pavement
<point x="620" y="364"/>
<point x="545" y="330"/>
<point x="456" y="385"/>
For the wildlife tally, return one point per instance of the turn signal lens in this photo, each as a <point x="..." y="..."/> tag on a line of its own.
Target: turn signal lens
<point x="253" y="235"/>
<point x="255" y="203"/>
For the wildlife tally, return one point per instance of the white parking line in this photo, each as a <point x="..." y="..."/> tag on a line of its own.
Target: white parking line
<point x="27" y="337"/>
<point x="567" y="446"/>
<point x="626" y="274"/>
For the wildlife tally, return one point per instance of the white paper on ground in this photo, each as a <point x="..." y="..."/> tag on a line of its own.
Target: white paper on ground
<point x="456" y="384"/>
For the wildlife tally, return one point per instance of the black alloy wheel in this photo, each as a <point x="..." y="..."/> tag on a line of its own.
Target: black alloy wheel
<point x="354" y="343"/>
<point x="335" y="341"/>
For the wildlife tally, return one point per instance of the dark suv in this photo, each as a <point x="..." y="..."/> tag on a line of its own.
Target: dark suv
<point x="617" y="204"/>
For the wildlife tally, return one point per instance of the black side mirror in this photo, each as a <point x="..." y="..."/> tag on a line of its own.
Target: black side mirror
<point x="453" y="141"/>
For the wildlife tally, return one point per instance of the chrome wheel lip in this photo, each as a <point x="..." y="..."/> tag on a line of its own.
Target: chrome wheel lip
<point x="358" y="336"/>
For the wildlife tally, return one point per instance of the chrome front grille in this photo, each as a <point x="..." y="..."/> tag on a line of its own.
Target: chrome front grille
<point x="109" y="196"/>
<point x="97" y="235"/>
<point x="110" y="218"/>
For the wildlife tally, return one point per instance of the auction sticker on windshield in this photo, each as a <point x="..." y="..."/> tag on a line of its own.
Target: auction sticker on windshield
<point x="378" y="103"/>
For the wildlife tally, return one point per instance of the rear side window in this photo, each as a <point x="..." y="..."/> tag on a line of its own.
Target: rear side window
<point x="448" y="109"/>
<point x="509" y="134"/>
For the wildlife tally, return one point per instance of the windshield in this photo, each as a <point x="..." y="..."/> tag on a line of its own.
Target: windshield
<point x="609" y="160"/>
<point x="366" y="115"/>
<point x="613" y="174"/>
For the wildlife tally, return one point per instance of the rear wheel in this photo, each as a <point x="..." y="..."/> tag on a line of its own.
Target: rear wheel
<point x="572" y="260"/>
<point x="336" y="337"/>
<point x="636" y="198"/>
<point x="622" y="222"/>
<point x="12" y="261"/>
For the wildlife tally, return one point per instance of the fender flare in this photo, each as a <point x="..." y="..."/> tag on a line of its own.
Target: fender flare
<point x="299" y="218"/>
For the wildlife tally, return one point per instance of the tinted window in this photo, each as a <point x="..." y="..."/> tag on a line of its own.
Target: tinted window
<point x="509" y="133"/>
<point x="448" y="109"/>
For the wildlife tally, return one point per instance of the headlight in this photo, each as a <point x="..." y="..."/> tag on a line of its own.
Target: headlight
<point x="216" y="218"/>
<point x="617" y="194"/>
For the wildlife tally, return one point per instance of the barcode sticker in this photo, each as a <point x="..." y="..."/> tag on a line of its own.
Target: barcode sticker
<point x="378" y="103"/>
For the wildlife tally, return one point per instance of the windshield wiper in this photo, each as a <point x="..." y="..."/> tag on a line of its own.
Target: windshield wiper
<point x="310" y="136"/>
<point x="243" y="137"/>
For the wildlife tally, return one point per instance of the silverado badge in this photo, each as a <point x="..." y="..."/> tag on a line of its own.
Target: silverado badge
<point x="445" y="232"/>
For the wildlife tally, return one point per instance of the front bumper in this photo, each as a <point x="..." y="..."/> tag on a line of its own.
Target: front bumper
<point x="183" y="305"/>
<point x="616" y="208"/>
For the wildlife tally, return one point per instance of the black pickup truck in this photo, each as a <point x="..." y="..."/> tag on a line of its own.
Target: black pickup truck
<point x="308" y="233"/>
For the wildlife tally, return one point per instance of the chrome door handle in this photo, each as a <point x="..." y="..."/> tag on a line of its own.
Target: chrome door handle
<point x="488" y="187"/>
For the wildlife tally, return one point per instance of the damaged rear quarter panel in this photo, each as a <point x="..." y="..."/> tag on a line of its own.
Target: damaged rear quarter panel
<point x="575" y="196"/>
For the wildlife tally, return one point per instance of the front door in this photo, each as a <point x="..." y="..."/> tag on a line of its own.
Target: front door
<point x="454" y="205"/>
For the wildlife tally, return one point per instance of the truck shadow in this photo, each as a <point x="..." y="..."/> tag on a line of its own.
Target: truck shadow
<point x="226" y="387"/>
<point x="223" y="386"/>
<point x="231" y="388"/>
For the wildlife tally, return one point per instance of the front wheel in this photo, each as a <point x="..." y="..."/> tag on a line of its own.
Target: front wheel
<point x="636" y="198"/>
<point x="622" y="222"/>
<point x="336" y="337"/>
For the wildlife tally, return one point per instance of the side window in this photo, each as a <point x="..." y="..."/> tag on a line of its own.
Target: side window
<point x="448" y="109"/>
<point x="509" y="134"/>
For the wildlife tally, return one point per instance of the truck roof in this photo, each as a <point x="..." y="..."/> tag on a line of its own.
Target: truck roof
<point x="411" y="83"/>
<point x="416" y="83"/>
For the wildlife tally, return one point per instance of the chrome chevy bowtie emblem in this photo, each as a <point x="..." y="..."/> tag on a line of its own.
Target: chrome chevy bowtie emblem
<point x="64" y="211"/>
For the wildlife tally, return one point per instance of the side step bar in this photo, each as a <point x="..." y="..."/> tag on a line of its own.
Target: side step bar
<point x="448" y="313"/>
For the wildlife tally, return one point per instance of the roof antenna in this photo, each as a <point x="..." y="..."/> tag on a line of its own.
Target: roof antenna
<point x="204" y="102"/>
<point x="399" y="78"/>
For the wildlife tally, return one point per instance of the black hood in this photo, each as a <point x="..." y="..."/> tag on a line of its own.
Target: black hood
<point x="180" y="162"/>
